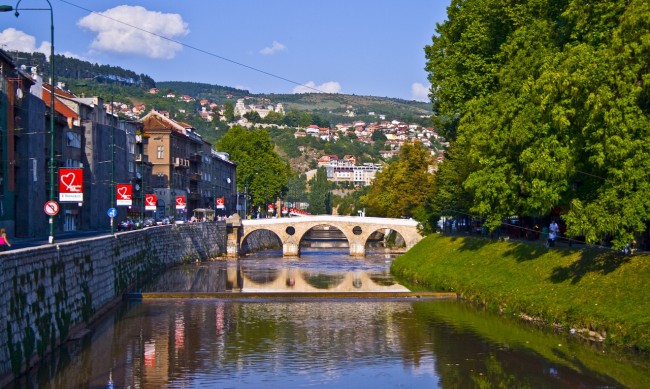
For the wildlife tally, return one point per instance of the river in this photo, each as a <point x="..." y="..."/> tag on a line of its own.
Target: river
<point x="245" y="341"/>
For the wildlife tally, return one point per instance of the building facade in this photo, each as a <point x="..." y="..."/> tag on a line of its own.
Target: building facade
<point x="187" y="167"/>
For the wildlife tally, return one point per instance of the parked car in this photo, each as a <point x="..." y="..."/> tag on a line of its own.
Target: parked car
<point x="125" y="225"/>
<point x="163" y="221"/>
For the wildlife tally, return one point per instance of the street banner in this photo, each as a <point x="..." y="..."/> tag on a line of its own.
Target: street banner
<point x="124" y="194"/>
<point x="180" y="202"/>
<point x="221" y="203"/>
<point x="271" y="208"/>
<point x="285" y="210"/>
<point x="71" y="185"/>
<point x="150" y="201"/>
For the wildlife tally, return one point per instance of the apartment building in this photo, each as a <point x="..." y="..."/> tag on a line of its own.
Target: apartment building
<point x="187" y="173"/>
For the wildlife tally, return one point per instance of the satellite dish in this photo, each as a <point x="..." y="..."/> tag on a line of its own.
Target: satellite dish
<point x="228" y="180"/>
<point x="138" y="175"/>
<point x="137" y="187"/>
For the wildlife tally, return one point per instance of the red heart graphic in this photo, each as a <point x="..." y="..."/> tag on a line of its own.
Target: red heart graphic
<point x="150" y="200"/>
<point x="122" y="192"/>
<point x="179" y="201"/>
<point x="68" y="180"/>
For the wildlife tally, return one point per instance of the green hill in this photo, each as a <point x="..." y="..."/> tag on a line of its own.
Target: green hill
<point x="335" y="108"/>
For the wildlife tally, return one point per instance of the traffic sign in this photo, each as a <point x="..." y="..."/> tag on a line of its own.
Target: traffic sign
<point x="112" y="212"/>
<point x="51" y="207"/>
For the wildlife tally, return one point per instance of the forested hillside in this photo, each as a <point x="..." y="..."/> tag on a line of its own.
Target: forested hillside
<point x="83" y="71"/>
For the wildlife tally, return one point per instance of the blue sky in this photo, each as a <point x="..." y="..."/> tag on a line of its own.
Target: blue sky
<point x="358" y="47"/>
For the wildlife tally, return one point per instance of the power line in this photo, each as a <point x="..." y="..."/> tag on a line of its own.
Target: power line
<point x="195" y="48"/>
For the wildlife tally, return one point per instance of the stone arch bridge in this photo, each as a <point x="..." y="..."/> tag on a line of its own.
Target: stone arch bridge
<point x="291" y="230"/>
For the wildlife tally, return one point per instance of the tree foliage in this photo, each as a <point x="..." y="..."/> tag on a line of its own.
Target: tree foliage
<point x="259" y="168"/>
<point x="402" y="188"/>
<point x="320" y="196"/>
<point x="297" y="188"/>
<point x="547" y="104"/>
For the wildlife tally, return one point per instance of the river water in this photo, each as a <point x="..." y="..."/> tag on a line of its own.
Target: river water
<point x="253" y="342"/>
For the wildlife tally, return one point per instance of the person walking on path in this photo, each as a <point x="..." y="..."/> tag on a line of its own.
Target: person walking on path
<point x="553" y="232"/>
<point x="4" y="242"/>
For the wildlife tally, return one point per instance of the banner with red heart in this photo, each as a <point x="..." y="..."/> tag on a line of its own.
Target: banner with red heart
<point x="71" y="185"/>
<point x="150" y="201"/>
<point x="220" y="203"/>
<point x="124" y="194"/>
<point x="180" y="202"/>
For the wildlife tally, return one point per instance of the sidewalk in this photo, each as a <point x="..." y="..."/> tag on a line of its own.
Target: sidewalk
<point x="19" y="243"/>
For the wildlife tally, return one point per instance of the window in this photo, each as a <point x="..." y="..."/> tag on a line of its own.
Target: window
<point x="131" y="145"/>
<point x="161" y="150"/>
<point x="131" y="167"/>
<point x="73" y="139"/>
<point x="72" y="163"/>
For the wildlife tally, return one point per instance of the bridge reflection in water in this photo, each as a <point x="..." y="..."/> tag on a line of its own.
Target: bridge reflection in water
<point x="316" y="271"/>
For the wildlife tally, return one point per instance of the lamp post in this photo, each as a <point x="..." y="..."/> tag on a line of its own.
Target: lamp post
<point x="8" y="8"/>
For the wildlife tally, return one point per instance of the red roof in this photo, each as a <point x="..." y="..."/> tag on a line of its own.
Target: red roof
<point x="58" y="105"/>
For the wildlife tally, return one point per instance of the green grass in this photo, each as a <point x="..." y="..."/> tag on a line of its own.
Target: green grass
<point x="579" y="288"/>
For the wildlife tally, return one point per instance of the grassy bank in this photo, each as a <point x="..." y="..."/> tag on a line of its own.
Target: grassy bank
<point x="585" y="289"/>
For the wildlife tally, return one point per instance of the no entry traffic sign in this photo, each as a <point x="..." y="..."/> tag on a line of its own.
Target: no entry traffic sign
<point x="51" y="208"/>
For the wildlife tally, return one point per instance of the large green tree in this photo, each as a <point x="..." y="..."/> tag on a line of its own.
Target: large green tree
<point x="402" y="187"/>
<point x="547" y="104"/>
<point x="259" y="168"/>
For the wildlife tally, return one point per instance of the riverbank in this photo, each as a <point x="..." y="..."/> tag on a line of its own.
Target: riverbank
<point x="595" y="293"/>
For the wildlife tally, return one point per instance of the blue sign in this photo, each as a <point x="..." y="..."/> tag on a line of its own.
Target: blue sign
<point x="112" y="212"/>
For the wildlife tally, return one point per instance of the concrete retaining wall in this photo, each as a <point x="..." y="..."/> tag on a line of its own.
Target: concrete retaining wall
<point x="49" y="291"/>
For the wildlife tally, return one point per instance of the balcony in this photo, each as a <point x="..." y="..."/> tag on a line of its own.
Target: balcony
<point x="195" y="177"/>
<point x="181" y="162"/>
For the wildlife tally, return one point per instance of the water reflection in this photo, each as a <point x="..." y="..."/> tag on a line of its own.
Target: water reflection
<point x="314" y="271"/>
<point x="212" y="343"/>
<point x="327" y="344"/>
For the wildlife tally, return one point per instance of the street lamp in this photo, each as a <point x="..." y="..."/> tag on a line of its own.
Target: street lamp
<point x="8" y="8"/>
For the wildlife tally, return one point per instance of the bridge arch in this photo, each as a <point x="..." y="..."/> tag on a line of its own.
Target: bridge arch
<point x="391" y="238"/>
<point x="262" y="240"/>
<point x="327" y="226"/>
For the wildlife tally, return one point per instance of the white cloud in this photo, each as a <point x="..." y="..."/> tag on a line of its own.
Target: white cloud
<point x="16" y="40"/>
<point x="144" y="38"/>
<point x="419" y="92"/>
<point x="276" y="47"/>
<point x="311" y="87"/>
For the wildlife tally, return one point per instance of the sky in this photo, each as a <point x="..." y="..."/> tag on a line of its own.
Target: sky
<point x="361" y="47"/>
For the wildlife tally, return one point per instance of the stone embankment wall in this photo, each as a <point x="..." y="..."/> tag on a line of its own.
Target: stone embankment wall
<point x="49" y="292"/>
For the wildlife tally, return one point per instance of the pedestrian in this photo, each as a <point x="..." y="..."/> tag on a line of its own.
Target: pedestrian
<point x="551" y="239"/>
<point x="4" y="242"/>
